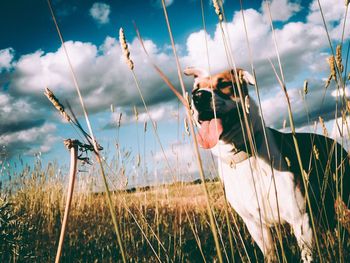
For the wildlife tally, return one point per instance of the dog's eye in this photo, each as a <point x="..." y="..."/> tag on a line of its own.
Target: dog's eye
<point x="220" y="80"/>
<point x="224" y="84"/>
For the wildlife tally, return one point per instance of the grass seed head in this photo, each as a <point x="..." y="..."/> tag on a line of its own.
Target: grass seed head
<point x="306" y="84"/>
<point x="136" y="113"/>
<point x="343" y="213"/>
<point x="125" y="48"/>
<point x="338" y="59"/>
<point x="138" y="160"/>
<point x="316" y="152"/>
<point x="120" y="119"/>
<point x="324" y="129"/>
<point x="187" y="130"/>
<point x="331" y="62"/>
<point x="49" y="94"/>
<point x="145" y="127"/>
<point x="218" y="9"/>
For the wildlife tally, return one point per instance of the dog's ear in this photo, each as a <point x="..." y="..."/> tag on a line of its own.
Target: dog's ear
<point x="196" y="72"/>
<point x="248" y="78"/>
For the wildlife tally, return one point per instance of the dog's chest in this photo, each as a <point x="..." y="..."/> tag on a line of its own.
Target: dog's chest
<point x="250" y="188"/>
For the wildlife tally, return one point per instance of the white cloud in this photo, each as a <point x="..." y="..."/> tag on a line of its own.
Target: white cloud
<point x="105" y="79"/>
<point x="102" y="73"/>
<point x="181" y="157"/>
<point x="281" y="10"/>
<point x="6" y="58"/>
<point x="30" y="141"/>
<point x="100" y="12"/>
<point x="158" y="3"/>
<point x="334" y="15"/>
<point x="302" y="46"/>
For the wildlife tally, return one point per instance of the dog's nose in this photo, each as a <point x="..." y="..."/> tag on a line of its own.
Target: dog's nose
<point x="201" y="98"/>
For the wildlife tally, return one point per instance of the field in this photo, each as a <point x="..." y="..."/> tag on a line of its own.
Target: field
<point x="167" y="223"/>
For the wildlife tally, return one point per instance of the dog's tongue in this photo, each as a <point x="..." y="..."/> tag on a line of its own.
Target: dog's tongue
<point x="208" y="135"/>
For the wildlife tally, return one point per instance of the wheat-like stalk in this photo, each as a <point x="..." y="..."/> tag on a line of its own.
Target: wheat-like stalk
<point x="332" y="63"/>
<point x="306" y="87"/>
<point x="338" y="59"/>
<point x="324" y="129"/>
<point x="125" y="49"/>
<point x="49" y="94"/>
<point x="218" y="9"/>
<point x="130" y="63"/>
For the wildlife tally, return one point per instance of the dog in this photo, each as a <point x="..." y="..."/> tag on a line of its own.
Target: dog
<point x="264" y="181"/>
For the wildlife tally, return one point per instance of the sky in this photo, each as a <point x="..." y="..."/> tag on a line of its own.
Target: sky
<point x="31" y="58"/>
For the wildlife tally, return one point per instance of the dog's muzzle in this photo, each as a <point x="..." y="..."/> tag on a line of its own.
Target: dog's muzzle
<point x="202" y="100"/>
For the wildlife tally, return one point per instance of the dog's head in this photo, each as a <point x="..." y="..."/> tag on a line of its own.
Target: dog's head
<point x="220" y="90"/>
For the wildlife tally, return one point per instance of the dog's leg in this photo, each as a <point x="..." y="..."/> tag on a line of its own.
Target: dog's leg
<point x="299" y="221"/>
<point x="303" y="233"/>
<point x="262" y="237"/>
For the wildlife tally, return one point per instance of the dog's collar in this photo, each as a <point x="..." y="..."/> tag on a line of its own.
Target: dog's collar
<point x="236" y="158"/>
<point x="241" y="153"/>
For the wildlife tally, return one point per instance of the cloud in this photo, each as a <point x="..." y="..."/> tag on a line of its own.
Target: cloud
<point x="302" y="46"/>
<point x="334" y="14"/>
<point x="6" y="58"/>
<point x="158" y="113"/>
<point x="23" y="128"/>
<point x="100" y="12"/>
<point x="102" y="73"/>
<point x="281" y="10"/>
<point x="158" y="3"/>
<point x="181" y="157"/>
<point x="105" y="79"/>
<point x="305" y="111"/>
<point x="29" y="141"/>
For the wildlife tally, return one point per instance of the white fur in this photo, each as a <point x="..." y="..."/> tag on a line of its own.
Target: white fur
<point x="250" y="191"/>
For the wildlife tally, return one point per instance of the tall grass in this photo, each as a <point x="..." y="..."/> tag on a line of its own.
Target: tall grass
<point x="179" y="222"/>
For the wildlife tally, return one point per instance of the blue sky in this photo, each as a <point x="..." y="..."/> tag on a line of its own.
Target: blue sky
<point x="31" y="58"/>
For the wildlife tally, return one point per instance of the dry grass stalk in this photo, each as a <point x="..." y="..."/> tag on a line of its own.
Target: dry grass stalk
<point x="218" y="9"/>
<point x="324" y="129"/>
<point x="347" y="2"/>
<point x="328" y="81"/>
<point x="136" y="113"/>
<point x="138" y="160"/>
<point x="187" y="129"/>
<point x="145" y="127"/>
<point x="49" y="94"/>
<point x="120" y="119"/>
<point x="125" y="48"/>
<point x="247" y="104"/>
<point x="195" y="143"/>
<point x="287" y="161"/>
<point x="98" y="157"/>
